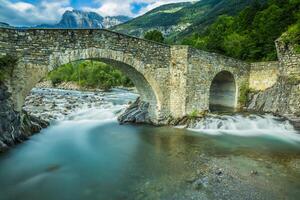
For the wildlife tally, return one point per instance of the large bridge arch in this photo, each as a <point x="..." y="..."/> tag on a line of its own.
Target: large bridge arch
<point x="39" y="51"/>
<point x="135" y="69"/>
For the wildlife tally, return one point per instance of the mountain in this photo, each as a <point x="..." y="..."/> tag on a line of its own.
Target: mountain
<point x="4" y="25"/>
<point x="82" y="19"/>
<point x="178" y="20"/>
<point x="165" y="18"/>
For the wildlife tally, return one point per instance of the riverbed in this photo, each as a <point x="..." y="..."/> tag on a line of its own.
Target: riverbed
<point x="86" y="154"/>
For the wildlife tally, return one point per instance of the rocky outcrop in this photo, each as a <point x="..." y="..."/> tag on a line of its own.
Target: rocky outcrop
<point x="15" y="127"/>
<point x="137" y="112"/>
<point x="282" y="99"/>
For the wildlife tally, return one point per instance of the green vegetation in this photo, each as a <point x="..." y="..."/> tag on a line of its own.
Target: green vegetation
<point x="292" y="36"/>
<point x="193" y="114"/>
<point x="154" y="35"/>
<point x="7" y="64"/>
<point x="293" y="79"/>
<point x="244" y="29"/>
<point x="197" y="16"/>
<point x="90" y="74"/>
<point x="243" y="97"/>
<point x="250" y="34"/>
<point x="196" y="114"/>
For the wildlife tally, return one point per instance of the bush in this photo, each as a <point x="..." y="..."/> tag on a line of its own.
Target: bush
<point x="193" y="114"/>
<point x="90" y="74"/>
<point x="292" y="36"/>
<point x="154" y="35"/>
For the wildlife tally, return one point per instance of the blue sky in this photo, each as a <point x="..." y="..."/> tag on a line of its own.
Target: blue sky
<point x="33" y="12"/>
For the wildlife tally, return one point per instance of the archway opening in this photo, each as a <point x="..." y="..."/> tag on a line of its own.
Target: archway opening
<point x="93" y="74"/>
<point x="222" y="95"/>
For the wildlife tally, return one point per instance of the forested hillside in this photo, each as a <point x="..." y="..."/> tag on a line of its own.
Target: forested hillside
<point x="178" y="20"/>
<point x="250" y="34"/>
<point x="244" y="29"/>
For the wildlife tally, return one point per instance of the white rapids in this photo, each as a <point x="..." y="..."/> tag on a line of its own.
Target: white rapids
<point x="251" y="125"/>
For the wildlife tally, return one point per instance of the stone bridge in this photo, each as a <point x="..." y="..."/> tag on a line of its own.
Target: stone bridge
<point x="174" y="80"/>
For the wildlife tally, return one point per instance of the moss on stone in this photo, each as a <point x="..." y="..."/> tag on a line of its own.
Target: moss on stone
<point x="193" y="114"/>
<point x="243" y="97"/>
<point x="293" y="79"/>
<point x="7" y="64"/>
<point x="197" y="114"/>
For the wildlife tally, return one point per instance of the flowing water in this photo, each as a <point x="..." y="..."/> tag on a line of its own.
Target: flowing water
<point x="88" y="155"/>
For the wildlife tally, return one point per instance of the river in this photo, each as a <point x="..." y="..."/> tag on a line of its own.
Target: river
<point x="86" y="154"/>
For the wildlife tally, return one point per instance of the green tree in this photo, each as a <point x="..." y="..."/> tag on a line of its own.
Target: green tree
<point x="235" y="45"/>
<point x="90" y="74"/>
<point x="154" y="35"/>
<point x="217" y="32"/>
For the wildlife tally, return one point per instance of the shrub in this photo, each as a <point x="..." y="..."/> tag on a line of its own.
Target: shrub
<point x="154" y="35"/>
<point x="90" y="74"/>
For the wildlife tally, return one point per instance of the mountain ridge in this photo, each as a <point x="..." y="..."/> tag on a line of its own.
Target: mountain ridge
<point x="84" y="19"/>
<point x="177" y="23"/>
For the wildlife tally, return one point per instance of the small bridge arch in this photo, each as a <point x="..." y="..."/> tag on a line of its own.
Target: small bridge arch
<point x="223" y="91"/>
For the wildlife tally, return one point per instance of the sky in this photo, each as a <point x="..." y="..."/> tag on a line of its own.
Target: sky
<point x="34" y="12"/>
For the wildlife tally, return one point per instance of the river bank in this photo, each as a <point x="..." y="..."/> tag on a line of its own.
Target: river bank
<point x="74" y="86"/>
<point x="44" y="105"/>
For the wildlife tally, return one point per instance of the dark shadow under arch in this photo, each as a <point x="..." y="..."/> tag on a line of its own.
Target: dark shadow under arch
<point x="222" y="94"/>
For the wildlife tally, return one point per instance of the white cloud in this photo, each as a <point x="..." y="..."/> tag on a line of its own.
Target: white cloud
<point x="50" y="11"/>
<point x="123" y="7"/>
<point x="22" y="13"/>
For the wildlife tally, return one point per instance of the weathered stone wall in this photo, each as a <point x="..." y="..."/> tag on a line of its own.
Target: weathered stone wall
<point x="40" y="51"/>
<point x="284" y="97"/>
<point x="263" y="75"/>
<point x="202" y="68"/>
<point x="289" y="60"/>
<point x="178" y="80"/>
<point x="174" y="80"/>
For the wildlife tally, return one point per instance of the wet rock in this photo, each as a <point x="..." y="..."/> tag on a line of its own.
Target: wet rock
<point x="68" y="107"/>
<point x="53" y="168"/>
<point x="254" y="172"/>
<point x="201" y="183"/>
<point x="137" y="112"/>
<point x="15" y="126"/>
<point x="281" y="99"/>
<point x="219" y="172"/>
<point x="3" y="147"/>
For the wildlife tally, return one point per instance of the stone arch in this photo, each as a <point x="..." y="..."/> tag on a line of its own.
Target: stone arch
<point x="223" y="91"/>
<point x="141" y="74"/>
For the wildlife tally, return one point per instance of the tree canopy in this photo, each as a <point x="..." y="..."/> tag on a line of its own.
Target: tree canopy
<point x="154" y="35"/>
<point x="90" y="74"/>
<point x="250" y="35"/>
